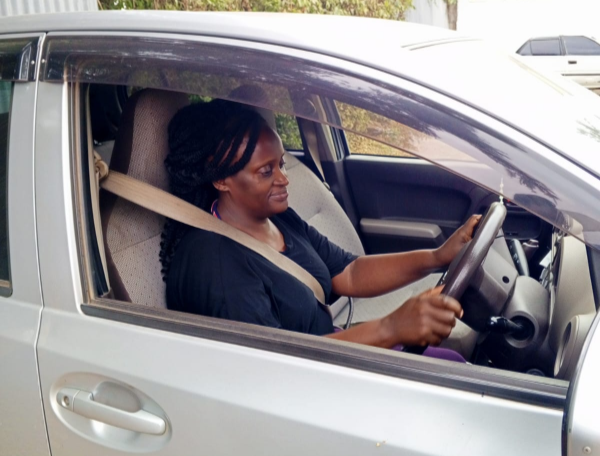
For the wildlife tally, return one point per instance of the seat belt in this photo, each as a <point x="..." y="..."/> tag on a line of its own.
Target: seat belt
<point x="163" y="203"/>
<point x="310" y="137"/>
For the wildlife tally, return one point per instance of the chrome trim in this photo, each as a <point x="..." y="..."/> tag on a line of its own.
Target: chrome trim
<point x="400" y="228"/>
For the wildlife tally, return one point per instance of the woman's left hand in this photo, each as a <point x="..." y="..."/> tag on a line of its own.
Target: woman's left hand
<point x="446" y="253"/>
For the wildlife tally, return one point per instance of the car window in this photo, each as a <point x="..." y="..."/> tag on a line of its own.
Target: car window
<point x="5" y="104"/>
<point x="548" y="46"/>
<point x="356" y="119"/>
<point x="287" y="128"/>
<point x="525" y="49"/>
<point x="580" y="45"/>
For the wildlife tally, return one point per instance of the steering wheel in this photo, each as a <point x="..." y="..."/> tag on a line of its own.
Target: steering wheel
<point x="465" y="264"/>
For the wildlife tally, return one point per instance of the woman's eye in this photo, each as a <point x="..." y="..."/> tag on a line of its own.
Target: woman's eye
<point x="282" y="164"/>
<point x="266" y="171"/>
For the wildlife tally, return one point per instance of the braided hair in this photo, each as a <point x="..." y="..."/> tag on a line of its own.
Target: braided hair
<point x="204" y="139"/>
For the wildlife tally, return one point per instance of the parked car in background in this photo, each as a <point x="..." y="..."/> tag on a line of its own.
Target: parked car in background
<point x="412" y="128"/>
<point x="576" y="57"/>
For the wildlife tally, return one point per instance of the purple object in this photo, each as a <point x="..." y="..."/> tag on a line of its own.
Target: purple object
<point x="432" y="352"/>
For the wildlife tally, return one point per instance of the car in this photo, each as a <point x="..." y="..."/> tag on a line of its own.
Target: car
<point x="575" y="57"/>
<point x="396" y="134"/>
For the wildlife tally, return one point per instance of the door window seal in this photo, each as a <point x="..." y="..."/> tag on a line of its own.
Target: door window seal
<point x="18" y="58"/>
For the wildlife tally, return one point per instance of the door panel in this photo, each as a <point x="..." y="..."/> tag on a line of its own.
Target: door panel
<point x="22" y="426"/>
<point x="407" y="203"/>
<point x="222" y="399"/>
<point x="424" y="202"/>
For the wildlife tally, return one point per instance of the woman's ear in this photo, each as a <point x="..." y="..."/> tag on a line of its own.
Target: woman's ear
<point x="221" y="185"/>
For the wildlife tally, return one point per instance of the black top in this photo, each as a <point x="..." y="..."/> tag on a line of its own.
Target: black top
<point x="214" y="276"/>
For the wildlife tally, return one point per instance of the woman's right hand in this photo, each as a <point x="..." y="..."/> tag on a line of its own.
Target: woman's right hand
<point x="425" y="319"/>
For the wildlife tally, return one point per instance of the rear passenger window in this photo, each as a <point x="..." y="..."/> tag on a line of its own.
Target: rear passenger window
<point x="5" y="101"/>
<point x="580" y="45"/>
<point x="550" y="46"/>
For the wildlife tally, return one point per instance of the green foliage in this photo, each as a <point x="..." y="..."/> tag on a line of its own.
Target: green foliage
<point x="287" y="128"/>
<point x="384" y="9"/>
<point x="362" y="127"/>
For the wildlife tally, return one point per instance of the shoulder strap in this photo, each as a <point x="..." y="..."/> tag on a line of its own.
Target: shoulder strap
<point x="163" y="203"/>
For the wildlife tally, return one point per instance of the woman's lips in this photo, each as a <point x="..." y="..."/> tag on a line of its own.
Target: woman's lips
<point x="280" y="196"/>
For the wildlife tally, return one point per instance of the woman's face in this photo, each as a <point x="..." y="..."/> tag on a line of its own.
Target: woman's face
<point x="260" y="188"/>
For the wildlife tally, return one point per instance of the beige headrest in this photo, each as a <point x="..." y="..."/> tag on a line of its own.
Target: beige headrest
<point x="141" y="145"/>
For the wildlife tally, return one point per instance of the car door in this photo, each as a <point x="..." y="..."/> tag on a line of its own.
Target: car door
<point x="546" y="54"/>
<point x="581" y="436"/>
<point x="403" y="202"/>
<point x="22" y="426"/>
<point x="583" y="58"/>
<point x="120" y="377"/>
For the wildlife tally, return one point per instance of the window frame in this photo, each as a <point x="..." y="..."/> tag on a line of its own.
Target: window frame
<point x="6" y="283"/>
<point x="18" y="64"/>
<point x="548" y="393"/>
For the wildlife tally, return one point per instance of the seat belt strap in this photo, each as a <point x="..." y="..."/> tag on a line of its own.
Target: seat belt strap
<point x="312" y="144"/>
<point x="163" y="203"/>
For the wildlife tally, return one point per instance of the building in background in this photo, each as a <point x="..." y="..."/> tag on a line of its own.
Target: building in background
<point x="17" y="7"/>
<point x="429" y="12"/>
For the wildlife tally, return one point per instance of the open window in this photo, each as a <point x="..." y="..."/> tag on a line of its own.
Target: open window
<point x="120" y="260"/>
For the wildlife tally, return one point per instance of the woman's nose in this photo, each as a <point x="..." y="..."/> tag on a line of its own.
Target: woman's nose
<point x="281" y="177"/>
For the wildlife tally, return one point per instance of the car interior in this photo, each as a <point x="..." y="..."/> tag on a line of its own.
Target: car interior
<point x="528" y="305"/>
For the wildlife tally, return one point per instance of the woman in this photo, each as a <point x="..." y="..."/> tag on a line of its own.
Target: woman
<point x="224" y="158"/>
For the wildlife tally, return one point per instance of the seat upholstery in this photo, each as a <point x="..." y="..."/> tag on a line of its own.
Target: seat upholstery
<point x="132" y="234"/>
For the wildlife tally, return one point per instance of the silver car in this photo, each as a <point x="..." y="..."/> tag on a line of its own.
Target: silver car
<point x="396" y="134"/>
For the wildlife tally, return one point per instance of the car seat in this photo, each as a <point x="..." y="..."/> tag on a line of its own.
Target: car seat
<point x="132" y="234"/>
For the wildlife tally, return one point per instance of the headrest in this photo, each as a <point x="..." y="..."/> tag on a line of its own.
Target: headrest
<point x="248" y="93"/>
<point x="141" y="145"/>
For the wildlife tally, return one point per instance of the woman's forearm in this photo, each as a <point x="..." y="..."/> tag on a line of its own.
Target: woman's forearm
<point x="427" y="318"/>
<point x="374" y="275"/>
<point x="373" y="333"/>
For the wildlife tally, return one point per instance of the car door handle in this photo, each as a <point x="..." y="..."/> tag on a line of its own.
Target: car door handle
<point x="572" y="62"/>
<point x="82" y="403"/>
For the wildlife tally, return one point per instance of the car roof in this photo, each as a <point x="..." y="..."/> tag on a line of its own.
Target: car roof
<point x="547" y="108"/>
<point x="327" y="34"/>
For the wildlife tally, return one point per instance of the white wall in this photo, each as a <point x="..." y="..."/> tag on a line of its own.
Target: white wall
<point x="429" y="12"/>
<point x="512" y="22"/>
<point x="15" y="7"/>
